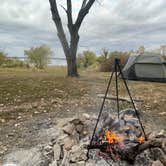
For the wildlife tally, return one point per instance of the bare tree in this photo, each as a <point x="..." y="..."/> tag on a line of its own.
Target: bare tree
<point x="70" y="47"/>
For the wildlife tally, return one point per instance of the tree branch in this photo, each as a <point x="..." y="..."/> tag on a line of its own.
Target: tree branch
<point x="54" y="10"/>
<point x="57" y="20"/>
<point x="69" y="16"/>
<point x="83" y="3"/>
<point x="63" y="8"/>
<point x="82" y="13"/>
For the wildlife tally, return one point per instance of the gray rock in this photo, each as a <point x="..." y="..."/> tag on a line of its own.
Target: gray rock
<point x="57" y="151"/>
<point x="69" y="142"/>
<point x="53" y="141"/>
<point x="1" y="105"/>
<point x="81" y="163"/>
<point x="157" y="163"/>
<point x="47" y="148"/>
<point x="161" y="134"/>
<point x="76" y="121"/>
<point x="90" y="163"/>
<point x="77" y="154"/>
<point x="86" y="116"/>
<point x="54" y="163"/>
<point x="3" y="120"/>
<point x="102" y="162"/>
<point x="61" y="138"/>
<point x="69" y="128"/>
<point x="127" y="112"/>
<point x="23" y="157"/>
<point x="73" y="164"/>
<point x="79" y="128"/>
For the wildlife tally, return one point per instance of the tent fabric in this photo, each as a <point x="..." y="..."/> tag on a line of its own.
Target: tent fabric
<point x="147" y="66"/>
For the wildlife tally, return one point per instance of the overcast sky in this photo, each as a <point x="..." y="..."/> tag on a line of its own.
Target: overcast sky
<point x="113" y="24"/>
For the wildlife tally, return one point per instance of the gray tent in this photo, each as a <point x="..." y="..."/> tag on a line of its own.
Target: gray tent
<point x="147" y="66"/>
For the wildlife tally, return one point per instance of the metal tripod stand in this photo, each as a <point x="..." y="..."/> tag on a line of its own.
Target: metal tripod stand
<point x="116" y="69"/>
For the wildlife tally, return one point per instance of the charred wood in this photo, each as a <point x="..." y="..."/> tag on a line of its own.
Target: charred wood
<point x="130" y="154"/>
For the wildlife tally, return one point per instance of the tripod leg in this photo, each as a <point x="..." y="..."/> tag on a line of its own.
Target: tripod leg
<point x="101" y="109"/>
<point x="117" y="90"/>
<point x="136" y="112"/>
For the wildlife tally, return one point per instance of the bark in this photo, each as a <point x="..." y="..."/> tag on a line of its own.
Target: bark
<point x="70" y="48"/>
<point x="71" y="59"/>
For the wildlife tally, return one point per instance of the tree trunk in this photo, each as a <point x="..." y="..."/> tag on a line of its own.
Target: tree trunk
<point x="72" y="66"/>
<point x="71" y="55"/>
<point x="70" y="50"/>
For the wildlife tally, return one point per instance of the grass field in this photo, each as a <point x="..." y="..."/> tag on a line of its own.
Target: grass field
<point x="22" y="86"/>
<point x="32" y="100"/>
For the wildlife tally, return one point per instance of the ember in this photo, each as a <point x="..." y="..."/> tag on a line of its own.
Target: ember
<point x="113" y="137"/>
<point x="141" y="139"/>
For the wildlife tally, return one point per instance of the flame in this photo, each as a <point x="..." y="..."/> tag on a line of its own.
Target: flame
<point x="113" y="137"/>
<point x="141" y="139"/>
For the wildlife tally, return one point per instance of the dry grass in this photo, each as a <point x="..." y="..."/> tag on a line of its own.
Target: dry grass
<point x="153" y="95"/>
<point x="27" y="86"/>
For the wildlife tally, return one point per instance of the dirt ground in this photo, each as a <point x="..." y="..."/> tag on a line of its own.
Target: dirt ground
<point x="31" y="104"/>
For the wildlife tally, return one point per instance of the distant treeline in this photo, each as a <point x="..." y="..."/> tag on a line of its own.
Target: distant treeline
<point x="39" y="57"/>
<point x="10" y="62"/>
<point x="104" y="62"/>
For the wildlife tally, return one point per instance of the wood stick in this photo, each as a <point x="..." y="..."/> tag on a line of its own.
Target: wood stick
<point x="111" y="97"/>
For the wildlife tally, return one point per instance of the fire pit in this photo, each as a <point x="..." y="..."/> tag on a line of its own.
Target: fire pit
<point x="118" y="135"/>
<point x="121" y="138"/>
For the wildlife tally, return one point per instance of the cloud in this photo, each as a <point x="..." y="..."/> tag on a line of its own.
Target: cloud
<point x="112" y="24"/>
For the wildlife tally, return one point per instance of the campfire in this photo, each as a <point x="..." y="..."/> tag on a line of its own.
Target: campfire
<point x="117" y="135"/>
<point x="123" y="137"/>
<point x="116" y="142"/>
<point x="122" y="140"/>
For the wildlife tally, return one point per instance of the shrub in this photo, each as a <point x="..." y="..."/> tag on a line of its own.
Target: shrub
<point x="2" y="58"/>
<point x="39" y="56"/>
<point x="9" y="62"/>
<point x="86" y="59"/>
<point x="13" y="62"/>
<point x="104" y="56"/>
<point x="107" y="66"/>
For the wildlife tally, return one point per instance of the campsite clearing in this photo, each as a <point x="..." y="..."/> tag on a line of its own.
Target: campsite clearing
<point x="60" y="97"/>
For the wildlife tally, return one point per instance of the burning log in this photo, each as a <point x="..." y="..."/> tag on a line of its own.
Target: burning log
<point x="130" y="154"/>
